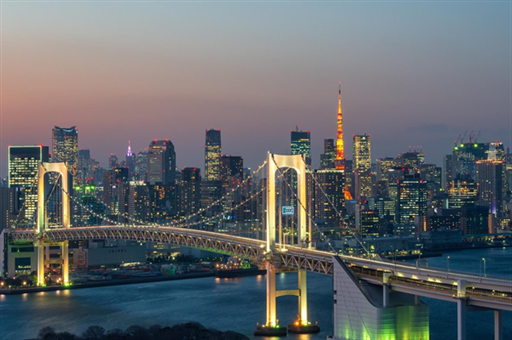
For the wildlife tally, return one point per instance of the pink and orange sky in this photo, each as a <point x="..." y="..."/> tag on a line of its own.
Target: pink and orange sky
<point x="412" y="74"/>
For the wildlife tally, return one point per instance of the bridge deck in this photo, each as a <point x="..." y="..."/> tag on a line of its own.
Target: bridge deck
<point x="405" y="277"/>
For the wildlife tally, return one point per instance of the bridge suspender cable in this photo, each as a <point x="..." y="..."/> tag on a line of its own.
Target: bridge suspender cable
<point x="302" y="205"/>
<point x="179" y="225"/>
<point x="338" y="213"/>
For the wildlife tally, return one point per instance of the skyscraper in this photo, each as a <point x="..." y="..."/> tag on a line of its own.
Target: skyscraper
<point x="411" y="199"/>
<point x="384" y="165"/>
<point x="301" y="144"/>
<point x="23" y="169"/>
<point x="361" y="153"/>
<point x="489" y="175"/>
<point x="161" y="160"/>
<point x="65" y="146"/>
<point x="129" y="160"/>
<point x="462" y="191"/>
<point x="340" y="149"/>
<point x="231" y="166"/>
<point x="212" y="152"/>
<point x="329" y="156"/>
<point x="190" y="191"/>
<point x="331" y="182"/>
<point x="465" y="156"/>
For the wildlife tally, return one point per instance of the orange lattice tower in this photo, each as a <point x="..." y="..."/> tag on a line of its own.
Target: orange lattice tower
<point x="340" y="149"/>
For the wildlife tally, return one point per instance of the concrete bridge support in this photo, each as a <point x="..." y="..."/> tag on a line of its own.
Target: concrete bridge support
<point x="498" y="325"/>
<point x="271" y="328"/>
<point x="461" y="309"/>
<point x="42" y="224"/>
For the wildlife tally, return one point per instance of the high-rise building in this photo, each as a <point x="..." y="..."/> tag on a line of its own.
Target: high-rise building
<point x="23" y="169"/>
<point x="138" y="201"/>
<point x="369" y="223"/>
<point x="489" y="176"/>
<point x="411" y="199"/>
<point x="161" y="160"/>
<point x="231" y="166"/>
<point x="361" y="151"/>
<point x="6" y="207"/>
<point x="65" y="146"/>
<point x="411" y="160"/>
<point x="301" y="144"/>
<point x="113" y="161"/>
<point x="447" y="173"/>
<point x="141" y="165"/>
<point x="212" y="152"/>
<point x="329" y="156"/>
<point x="331" y="182"/>
<point x="364" y="184"/>
<point x="129" y="160"/>
<point x="433" y="175"/>
<point x="462" y="191"/>
<point x="465" y="156"/>
<point x="384" y="166"/>
<point x="190" y="191"/>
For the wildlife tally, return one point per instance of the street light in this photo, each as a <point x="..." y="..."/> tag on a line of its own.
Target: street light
<point x="448" y="262"/>
<point x="485" y="265"/>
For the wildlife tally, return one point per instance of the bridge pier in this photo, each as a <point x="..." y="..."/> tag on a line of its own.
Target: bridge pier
<point x="40" y="263"/>
<point x="498" y="325"/>
<point x="461" y="309"/>
<point x="65" y="262"/>
<point x="275" y="163"/>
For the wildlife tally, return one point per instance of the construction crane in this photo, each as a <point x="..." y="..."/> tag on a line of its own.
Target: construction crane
<point x="476" y="138"/>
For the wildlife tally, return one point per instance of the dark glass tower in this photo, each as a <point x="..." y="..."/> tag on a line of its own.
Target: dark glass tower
<point x="301" y="144"/>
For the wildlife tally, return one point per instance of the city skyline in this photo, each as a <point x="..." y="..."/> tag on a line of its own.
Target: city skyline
<point x="452" y="78"/>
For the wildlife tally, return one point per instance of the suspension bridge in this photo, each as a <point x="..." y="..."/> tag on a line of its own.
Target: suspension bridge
<point x="370" y="295"/>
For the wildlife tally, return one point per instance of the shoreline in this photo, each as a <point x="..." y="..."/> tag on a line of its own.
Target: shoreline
<point x="116" y="282"/>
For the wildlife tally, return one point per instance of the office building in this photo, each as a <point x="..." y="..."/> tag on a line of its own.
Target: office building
<point x="7" y="198"/>
<point x="301" y="144"/>
<point x="411" y="199"/>
<point x="384" y="167"/>
<point x="410" y="161"/>
<point x="65" y="146"/>
<point x="447" y="171"/>
<point x="161" y="160"/>
<point x="462" y="191"/>
<point x="364" y="184"/>
<point x="328" y="158"/>
<point x="332" y="183"/>
<point x="465" y="156"/>
<point x="361" y="153"/>
<point x="212" y="152"/>
<point x="369" y="223"/>
<point x="489" y="176"/>
<point x="231" y="166"/>
<point x="189" y="192"/>
<point x="22" y="177"/>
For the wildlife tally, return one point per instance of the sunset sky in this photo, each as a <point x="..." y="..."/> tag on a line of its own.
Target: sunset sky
<point x="415" y="73"/>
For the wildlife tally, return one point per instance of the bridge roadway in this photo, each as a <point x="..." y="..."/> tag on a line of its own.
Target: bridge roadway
<point x="480" y="291"/>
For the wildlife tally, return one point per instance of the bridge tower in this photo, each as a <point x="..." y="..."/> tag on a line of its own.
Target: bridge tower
<point x="274" y="163"/>
<point x="42" y="223"/>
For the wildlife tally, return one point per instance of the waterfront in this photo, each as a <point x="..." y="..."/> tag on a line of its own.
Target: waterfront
<point x="226" y="304"/>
